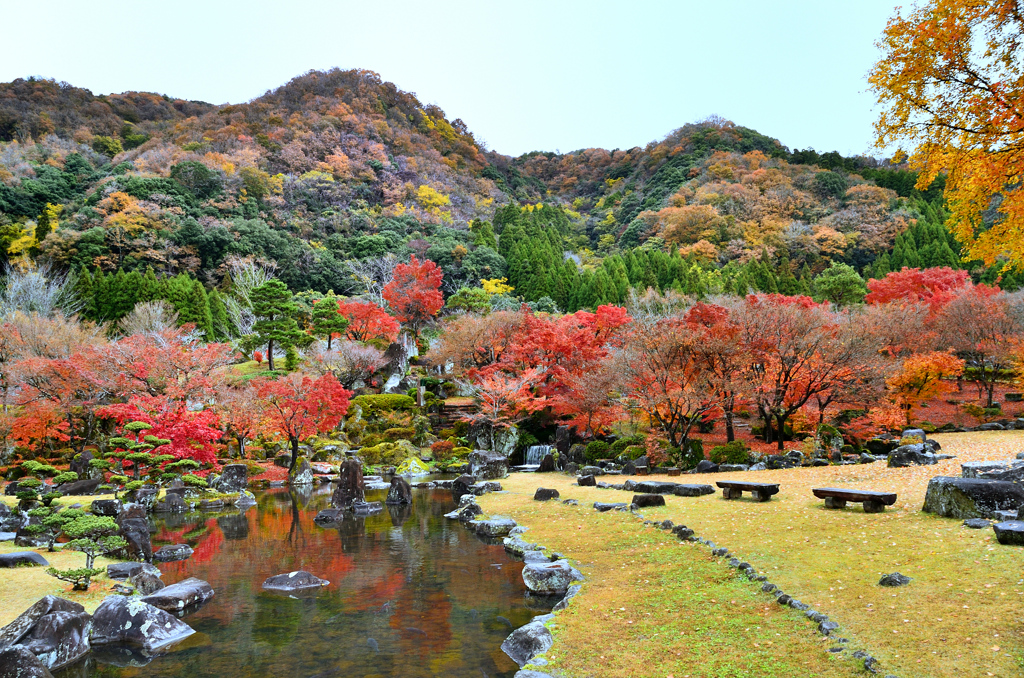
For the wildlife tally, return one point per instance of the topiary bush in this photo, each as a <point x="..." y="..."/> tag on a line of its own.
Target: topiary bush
<point x="597" y="449"/>
<point x="384" y="402"/>
<point x="634" y="452"/>
<point x="619" y="446"/>
<point x="736" y="452"/>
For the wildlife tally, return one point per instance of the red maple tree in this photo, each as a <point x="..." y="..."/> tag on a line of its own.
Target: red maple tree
<point x="932" y="286"/>
<point x="414" y="294"/>
<point x="298" y="406"/>
<point x="368" y="321"/>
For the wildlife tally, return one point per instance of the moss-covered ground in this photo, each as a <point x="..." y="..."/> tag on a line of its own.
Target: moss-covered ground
<point x="656" y="607"/>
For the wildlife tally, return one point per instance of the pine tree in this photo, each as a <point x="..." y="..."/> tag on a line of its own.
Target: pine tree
<point x="326" y="320"/>
<point x="85" y="294"/>
<point x="219" y="315"/>
<point x="149" y="288"/>
<point x="275" y="309"/>
<point x="99" y="293"/>
<point x="787" y="281"/>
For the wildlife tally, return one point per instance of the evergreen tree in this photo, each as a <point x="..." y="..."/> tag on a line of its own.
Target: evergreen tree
<point x="85" y="293"/>
<point x="275" y="309"/>
<point x="219" y="316"/>
<point x="787" y="281"/>
<point x="149" y="288"/>
<point x="326" y="320"/>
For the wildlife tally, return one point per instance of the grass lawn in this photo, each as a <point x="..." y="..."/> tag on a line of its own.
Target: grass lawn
<point x="656" y="607"/>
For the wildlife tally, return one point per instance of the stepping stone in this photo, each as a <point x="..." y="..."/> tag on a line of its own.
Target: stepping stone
<point x="647" y="500"/>
<point x="977" y="523"/>
<point x="294" y="581"/>
<point x="894" y="579"/>
<point x="603" y="506"/>
<point x="1010" y="532"/>
<point x="22" y="559"/>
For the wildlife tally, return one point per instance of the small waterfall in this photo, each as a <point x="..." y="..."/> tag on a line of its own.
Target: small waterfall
<point x="536" y="453"/>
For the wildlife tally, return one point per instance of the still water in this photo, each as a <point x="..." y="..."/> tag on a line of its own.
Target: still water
<point x="412" y="594"/>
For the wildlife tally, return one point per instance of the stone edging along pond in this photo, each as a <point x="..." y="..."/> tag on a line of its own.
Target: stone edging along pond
<point x="529" y="643"/>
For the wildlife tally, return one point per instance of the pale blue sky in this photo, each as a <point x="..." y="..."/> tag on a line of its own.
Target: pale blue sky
<point x="526" y="75"/>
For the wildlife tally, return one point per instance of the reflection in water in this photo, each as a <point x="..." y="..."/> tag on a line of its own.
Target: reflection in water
<point x="412" y="594"/>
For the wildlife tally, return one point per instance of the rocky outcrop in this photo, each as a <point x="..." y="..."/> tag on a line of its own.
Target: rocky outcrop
<point x="551" y="579"/>
<point x="177" y="597"/>
<point x="292" y="582"/>
<point x="129" y="621"/>
<point x="17" y="662"/>
<point x="106" y="507"/>
<point x="22" y="559"/>
<point x="488" y="465"/>
<point x="350" y="485"/>
<point x="54" y="630"/>
<point x="80" y="487"/>
<point x="918" y="454"/>
<point x="233" y="478"/>
<point x="527" y="642"/>
<point x="971" y="497"/>
<point x="125" y="571"/>
<point x="302" y="474"/>
<point x="400" y="491"/>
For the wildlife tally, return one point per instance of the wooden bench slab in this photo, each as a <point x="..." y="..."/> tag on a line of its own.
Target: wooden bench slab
<point x="734" y="489"/>
<point x="836" y="498"/>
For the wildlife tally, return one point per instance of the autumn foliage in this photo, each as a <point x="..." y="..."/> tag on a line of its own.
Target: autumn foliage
<point x="367" y="321"/>
<point x="414" y="294"/>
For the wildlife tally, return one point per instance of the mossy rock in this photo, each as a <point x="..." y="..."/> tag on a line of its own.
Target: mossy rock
<point x="412" y="466"/>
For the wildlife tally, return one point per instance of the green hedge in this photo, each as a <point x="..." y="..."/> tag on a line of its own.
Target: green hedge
<point x="384" y="402"/>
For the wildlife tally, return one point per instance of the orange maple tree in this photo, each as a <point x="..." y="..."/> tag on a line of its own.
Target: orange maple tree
<point x="414" y="293"/>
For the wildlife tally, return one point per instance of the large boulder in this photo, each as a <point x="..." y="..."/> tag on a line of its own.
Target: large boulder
<point x="918" y="454"/>
<point x="133" y="526"/>
<point x="350" y="485"/>
<point x="301" y="474"/>
<point x="493" y="526"/>
<point x="129" y="621"/>
<point x="177" y="597"/>
<point x="705" y="466"/>
<point x="547" y="464"/>
<point x="971" y="497"/>
<point x="172" y="503"/>
<point x="22" y="559"/>
<point x="58" y="638"/>
<point x="9" y="520"/>
<point x="400" y="491"/>
<point x="527" y="642"/>
<point x="488" y="465"/>
<point x="17" y="662"/>
<point x="80" y="464"/>
<point x="881" y="446"/>
<point x="80" y="487"/>
<point x="22" y="625"/>
<point x="106" y="507"/>
<point x="551" y="579"/>
<point x="544" y="494"/>
<point x="125" y="571"/>
<point x="292" y="582"/>
<point x="563" y="439"/>
<point x="233" y="478"/>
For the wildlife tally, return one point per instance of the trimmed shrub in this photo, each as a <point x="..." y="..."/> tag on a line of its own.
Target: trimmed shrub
<point x="620" y="445"/>
<point x="384" y="402"/>
<point x="597" y="449"/>
<point x="634" y="451"/>
<point x="400" y="433"/>
<point x="736" y="452"/>
<point x="384" y="454"/>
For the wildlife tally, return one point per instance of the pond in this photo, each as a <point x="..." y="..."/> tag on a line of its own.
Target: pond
<point x="412" y="593"/>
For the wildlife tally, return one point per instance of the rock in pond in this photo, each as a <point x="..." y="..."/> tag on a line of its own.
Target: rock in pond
<point x="22" y="559"/>
<point x="971" y="497"/>
<point x="488" y="465"/>
<point x="125" y="571"/>
<point x="461" y="486"/>
<point x="293" y="582"/>
<point x="544" y="494"/>
<point x="167" y="554"/>
<point x="552" y="579"/>
<point x="367" y="508"/>
<point x="330" y="516"/>
<point x="17" y="662"/>
<point x="129" y="621"/>
<point x="527" y="642"/>
<point x="1010" y="532"/>
<point x="894" y="579"/>
<point x="181" y="595"/>
<point x="495" y="526"/>
<point x="233" y="478"/>
<point x="172" y="503"/>
<point x="350" y="485"/>
<point x="302" y="474"/>
<point x="400" y="492"/>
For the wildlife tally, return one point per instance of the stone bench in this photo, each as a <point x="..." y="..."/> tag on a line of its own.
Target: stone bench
<point x="734" y="489"/>
<point x="874" y="502"/>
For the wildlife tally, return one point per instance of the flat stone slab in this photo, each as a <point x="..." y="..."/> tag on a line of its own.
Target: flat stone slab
<point x="647" y="500"/>
<point x="605" y="506"/>
<point x="22" y="559"/>
<point x="8" y="536"/>
<point x="181" y="595"/>
<point x="1010" y="532"/>
<point x="979" y="469"/>
<point x="977" y="523"/>
<point x="971" y="497"/>
<point x="495" y="526"/>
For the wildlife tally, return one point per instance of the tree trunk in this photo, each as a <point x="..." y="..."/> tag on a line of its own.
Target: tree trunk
<point x="730" y="434"/>
<point x="991" y="388"/>
<point x="270" y="354"/>
<point x="781" y="418"/>
<point x="295" y="455"/>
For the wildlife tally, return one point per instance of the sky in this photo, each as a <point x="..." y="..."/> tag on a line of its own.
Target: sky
<point x="555" y="75"/>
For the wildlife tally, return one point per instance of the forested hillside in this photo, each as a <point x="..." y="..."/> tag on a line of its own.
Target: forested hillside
<point x="325" y="175"/>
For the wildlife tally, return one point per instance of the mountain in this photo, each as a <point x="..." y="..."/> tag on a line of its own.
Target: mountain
<point x="339" y="165"/>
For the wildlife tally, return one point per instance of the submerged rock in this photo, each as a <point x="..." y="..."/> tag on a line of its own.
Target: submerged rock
<point x="400" y="491"/>
<point x="350" y="485"/>
<point x="302" y="474"/>
<point x="167" y="554"/>
<point x="291" y="582"/>
<point x="233" y="478"/>
<point x="129" y="621"/>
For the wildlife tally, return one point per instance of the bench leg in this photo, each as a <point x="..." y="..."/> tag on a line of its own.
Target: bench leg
<point x="835" y="503"/>
<point x="731" y="493"/>
<point x="874" y="507"/>
<point x="760" y="496"/>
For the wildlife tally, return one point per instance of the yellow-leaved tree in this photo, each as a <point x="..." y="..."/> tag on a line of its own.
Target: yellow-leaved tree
<point x="950" y="81"/>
